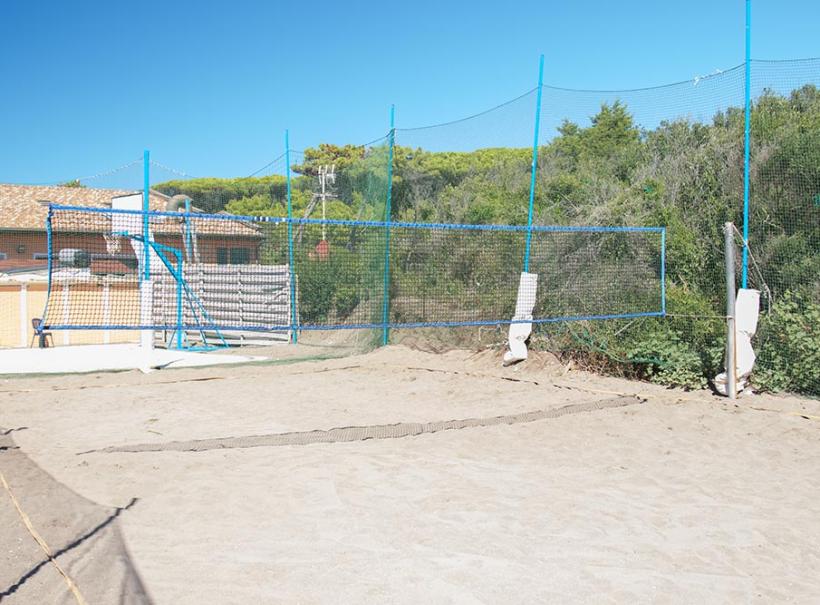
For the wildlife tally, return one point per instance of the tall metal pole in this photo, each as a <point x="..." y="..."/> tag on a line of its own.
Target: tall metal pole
<point x="746" y="143"/>
<point x="293" y="318"/>
<point x="731" y="363"/>
<point x="146" y="287"/>
<point x="663" y="272"/>
<point x="387" y="217"/>
<point x="50" y="250"/>
<point x="534" y="162"/>
<point x="179" y="280"/>
<point x="146" y="193"/>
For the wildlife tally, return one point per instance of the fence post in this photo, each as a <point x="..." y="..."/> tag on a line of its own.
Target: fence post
<point x="293" y="318"/>
<point x="107" y="312"/>
<point x="747" y="142"/>
<point x="534" y="162"/>
<point x="146" y="287"/>
<point x="50" y="254"/>
<point x="180" y="280"/>
<point x="731" y="363"/>
<point x="22" y="303"/>
<point x="66" y="301"/>
<point x="663" y="271"/>
<point x="146" y="193"/>
<point x="387" y="219"/>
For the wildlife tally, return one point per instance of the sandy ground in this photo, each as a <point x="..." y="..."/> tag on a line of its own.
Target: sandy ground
<point x="683" y="498"/>
<point x="111" y="357"/>
<point x="84" y="538"/>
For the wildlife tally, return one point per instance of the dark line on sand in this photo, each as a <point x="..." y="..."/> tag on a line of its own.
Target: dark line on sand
<point x="363" y="433"/>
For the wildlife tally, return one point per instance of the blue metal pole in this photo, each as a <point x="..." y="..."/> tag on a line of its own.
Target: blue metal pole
<point x="146" y="192"/>
<point x="50" y="250"/>
<point x="293" y="318"/>
<point x="746" y="144"/>
<point x="387" y="218"/>
<point x="534" y="162"/>
<point x="179" y="280"/>
<point x="663" y="272"/>
<point x="188" y="245"/>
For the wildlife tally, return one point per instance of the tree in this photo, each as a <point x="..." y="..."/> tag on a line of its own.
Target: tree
<point x="213" y="195"/>
<point x="256" y="205"/>
<point x="328" y="155"/>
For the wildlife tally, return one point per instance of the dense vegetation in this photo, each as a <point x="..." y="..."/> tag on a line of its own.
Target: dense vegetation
<point x="685" y="176"/>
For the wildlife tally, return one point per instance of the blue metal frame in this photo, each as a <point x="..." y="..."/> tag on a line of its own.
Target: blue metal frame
<point x="384" y="325"/>
<point x="387" y="219"/>
<point x="353" y="223"/>
<point x="294" y="320"/>
<point x="370" y="326"/>
<point x="179" y="277"/>
<point x="747" y="143"/>
<point x="534" y="162"/>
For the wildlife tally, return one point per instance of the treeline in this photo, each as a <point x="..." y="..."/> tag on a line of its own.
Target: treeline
<point x="685" y="176"/>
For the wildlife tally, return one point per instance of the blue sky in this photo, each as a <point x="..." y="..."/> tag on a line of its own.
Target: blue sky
<point x="210" y="87"/>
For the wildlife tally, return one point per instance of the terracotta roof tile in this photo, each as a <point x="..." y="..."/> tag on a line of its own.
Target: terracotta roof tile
<point x="26" y="207"/>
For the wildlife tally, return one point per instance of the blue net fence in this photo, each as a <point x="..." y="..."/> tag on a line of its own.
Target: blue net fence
<point x="441" y="275"/>
<point x="674" y="155"/>
<point x="428" y="226"/>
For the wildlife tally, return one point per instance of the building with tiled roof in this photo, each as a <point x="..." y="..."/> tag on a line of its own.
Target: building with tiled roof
<point x="24" y="242"/>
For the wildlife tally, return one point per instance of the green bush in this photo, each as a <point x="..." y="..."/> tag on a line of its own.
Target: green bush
<point x="329" y="288"/>
<point x="669" y="360"/>
<point x="673" y="351"/>
<point x="789" y="347"/>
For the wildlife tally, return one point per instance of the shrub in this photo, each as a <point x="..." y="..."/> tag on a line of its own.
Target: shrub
<point x="789" y="347"/>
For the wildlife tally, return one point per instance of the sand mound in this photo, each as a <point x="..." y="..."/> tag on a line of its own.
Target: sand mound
<point x="486" y="362"/>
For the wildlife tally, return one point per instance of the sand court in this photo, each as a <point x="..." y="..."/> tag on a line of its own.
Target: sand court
<point x="674" y="497"/>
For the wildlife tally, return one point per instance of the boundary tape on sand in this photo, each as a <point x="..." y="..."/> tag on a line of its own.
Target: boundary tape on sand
<point x="363" y="433"/>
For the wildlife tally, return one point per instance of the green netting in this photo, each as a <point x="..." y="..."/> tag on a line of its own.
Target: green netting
<point x="349" y="183"/>
<point x="784" y="226"/>
<point x="673" y="156"/>
<point x="670" y="156"/>
<point x="351" y="276"/>
<point x="473" y="170"/>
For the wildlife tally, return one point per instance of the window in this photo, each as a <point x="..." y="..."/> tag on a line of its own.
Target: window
<point x="233" y="256"/>
<point x="3" y="256"/>
<point x="240" y="256"/>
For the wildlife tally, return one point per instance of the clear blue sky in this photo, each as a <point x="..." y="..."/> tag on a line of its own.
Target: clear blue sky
<point x="209" y="87"/>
